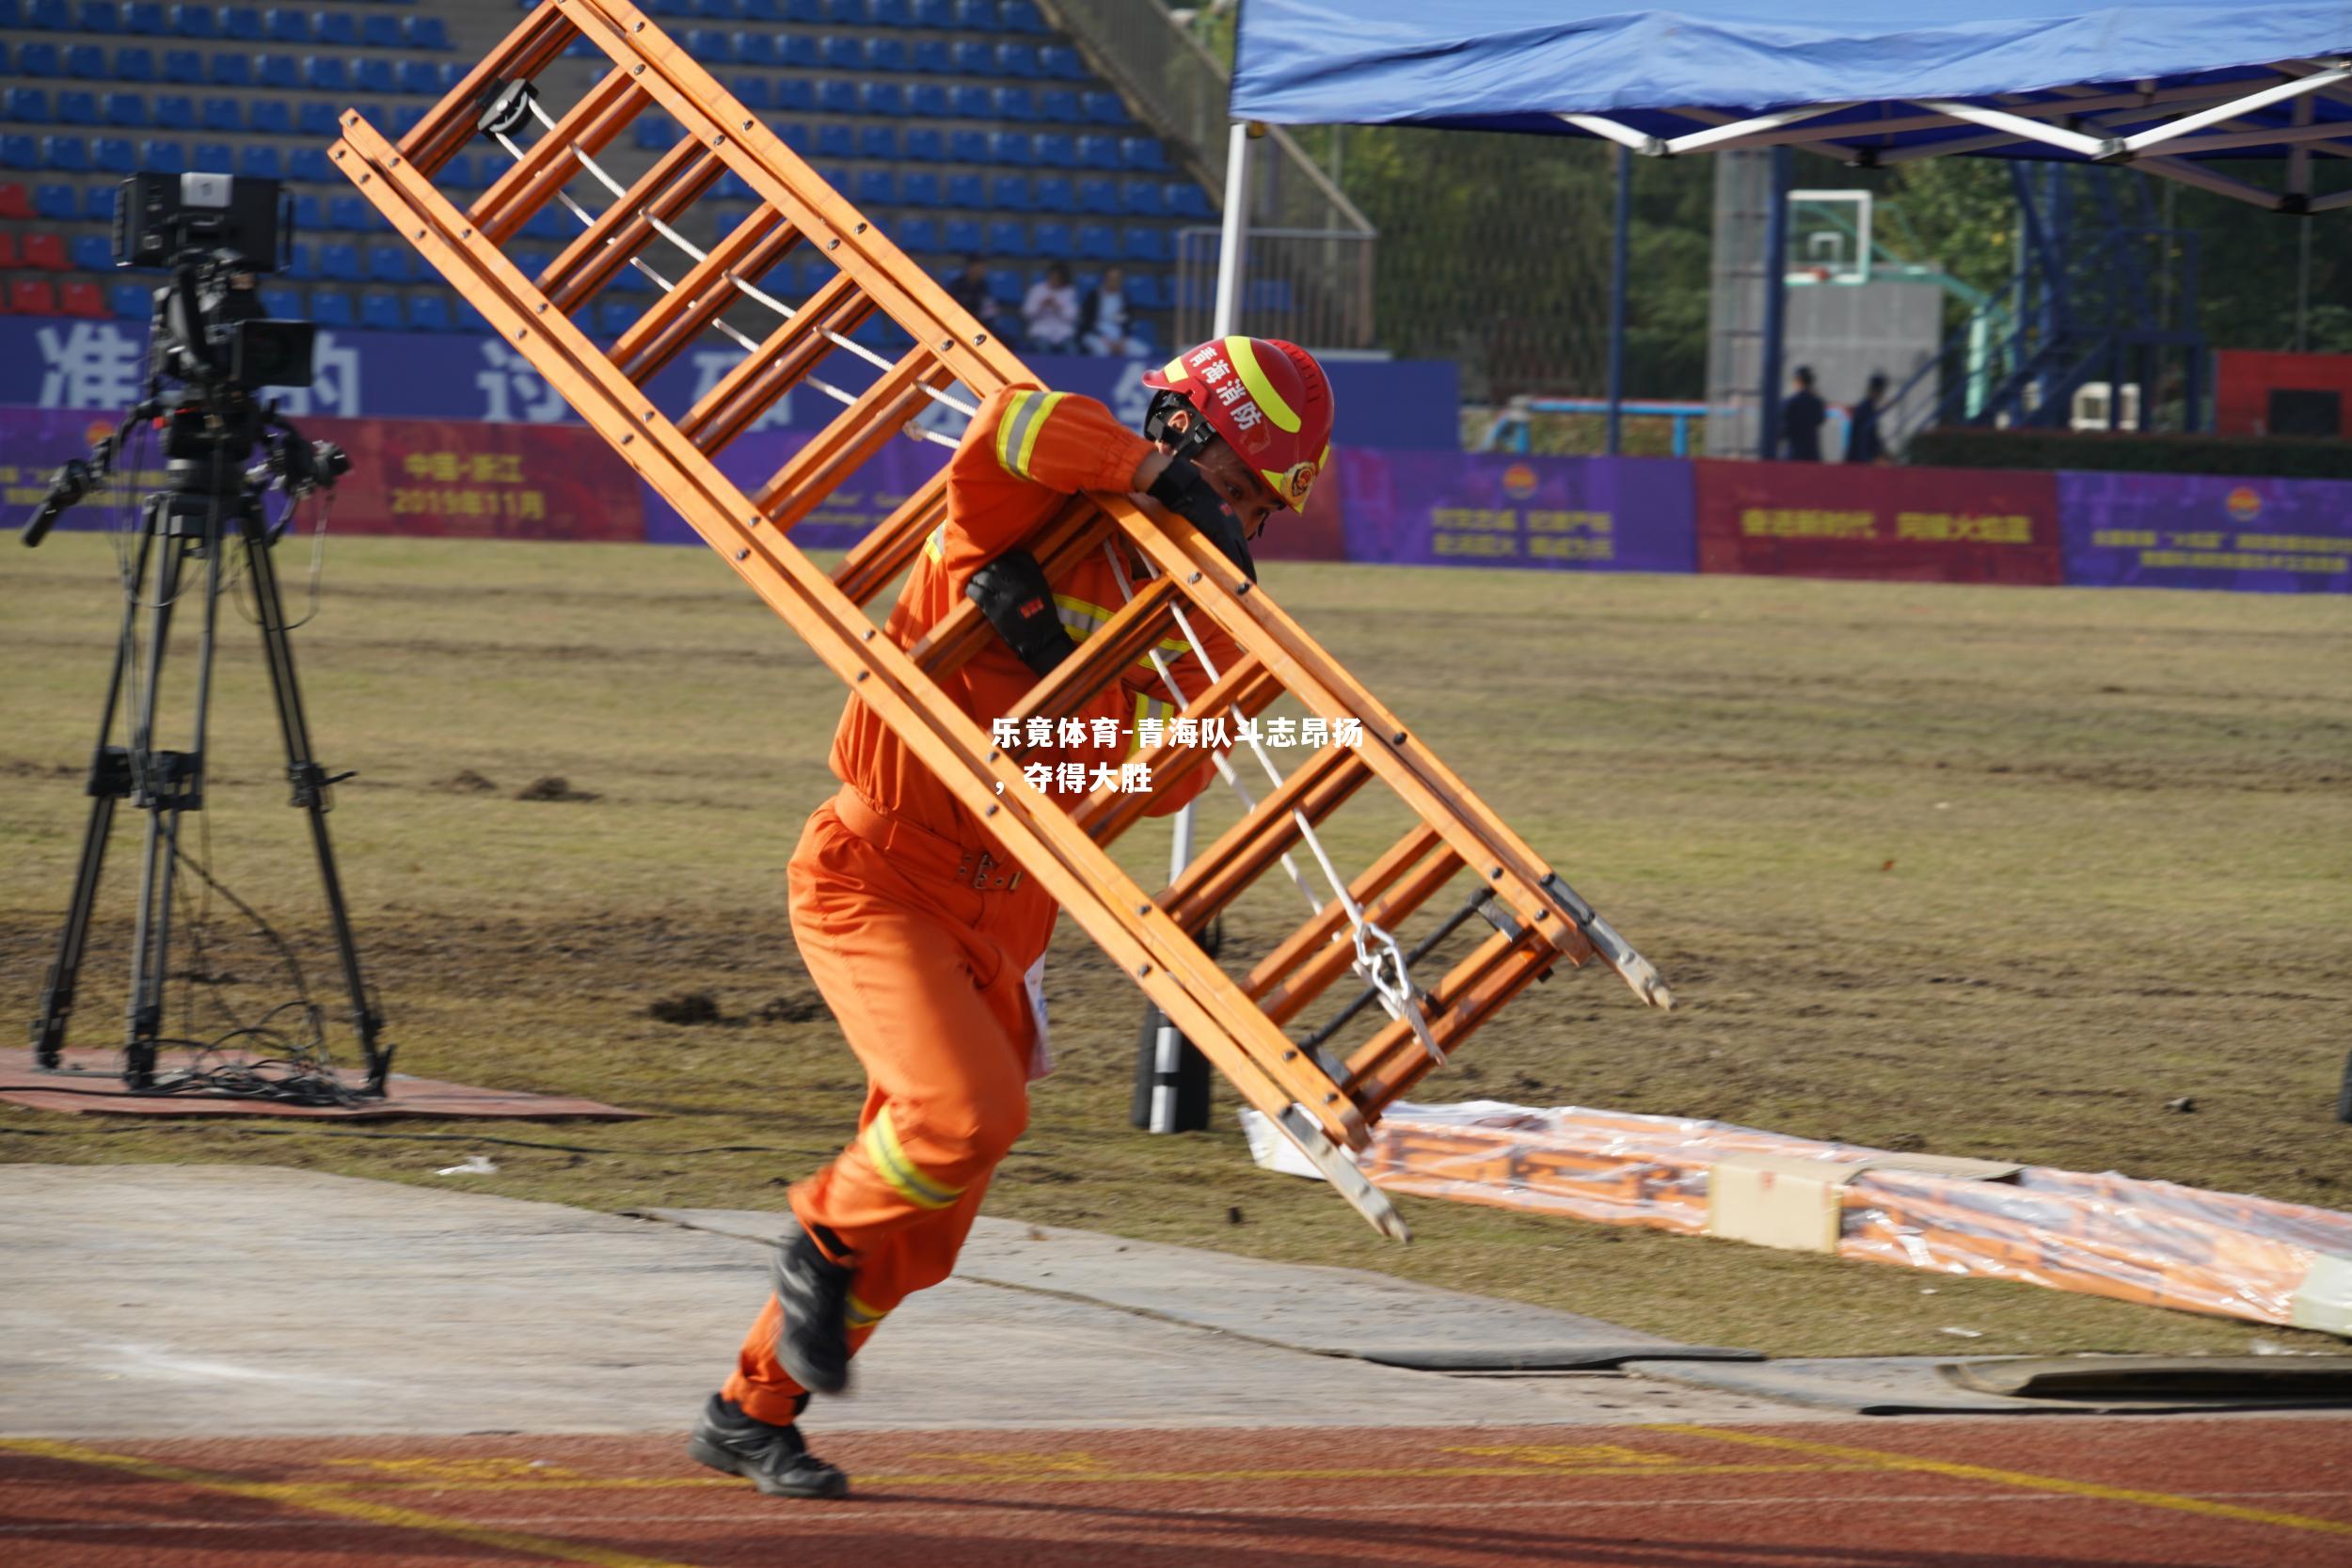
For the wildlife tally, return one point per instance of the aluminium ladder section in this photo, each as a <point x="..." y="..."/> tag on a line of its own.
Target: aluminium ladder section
<point x="1322" y="1104"/>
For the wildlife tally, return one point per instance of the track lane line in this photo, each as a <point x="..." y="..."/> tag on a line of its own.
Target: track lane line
<point x="1888" y="1459"/>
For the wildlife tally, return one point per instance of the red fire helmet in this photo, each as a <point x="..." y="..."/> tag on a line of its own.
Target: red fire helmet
<point x="1268" y="399"/>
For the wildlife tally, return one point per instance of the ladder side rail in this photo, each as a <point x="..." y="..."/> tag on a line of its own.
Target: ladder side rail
<point x="671" y="323"/>
<point x="1249" y="849"/>
<point x="878" y="415"/>
<point x="1246" y="691"/>
<point x="537" y="41"/>
<point x="549" y="164"/>
<point x="875" y="562"/>
<point x="754" y="384"/>
<point x="620" y="234"/>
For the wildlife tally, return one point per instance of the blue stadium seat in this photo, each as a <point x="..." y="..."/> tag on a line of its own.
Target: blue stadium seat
<point x="935" y="13"/>
<point x="271" y="117"/>
<point x="340" y="261"/>
<point x="374" y="73"/>
<point x="327" y="72"/>
<point x="66" y="154"/>
<point x="836" y="141"/>
<point x="283" y="71"/>
<point x="917" y="234"/>
<point x="309" y="215"/>
<point x="348" y="212"/>
<point x="310" y="163"/>
<point x="1269" y="294"/>
<point x="381" y="31"/>
<point x="174" y="111"/>
<point x="801" y="52"/>
<point x="1057" y="149"/>
<point x="709" y="46"/>
<point x="1097" y="242"/>
<point x="888" y="55"/>
<point x="91" y="252"/>
<point x="1142" y="153"/>
<point x="1098" y="152"/>
<point x="550" y="222"/>
<point x="184" y="65"/>
<point x="1015" y="104"/>
<point x="1143" y="292"/>
<point x="925" y="146"/>
<point x="804" y="10"/>
<point x="424" y="30"/>
<point x="1014" y="148"/>
<point x="194" y="22"/>
<point x="1104" y="108"/>
<point x="894" y="13"/>
<point x="1059" y="104"/>
<point x="975" y="102"/>
<point x="212" y="157"/>
<point x="98" y="201"/>
<point x="330" y="307"/>
<point x="421" y="78"/>
<point x="100" y="16"/>
<point x="20" y="152"/>
<point x="732" y="186"/>
<point x="1055" y="195"/>
<point x="1062" y="63"/>
<point x="754" y="48"/>
<point x="28" y="105"/>
<point x="287" y="24"/>
<point x="919" y="188"/>
<point x="223" y="114"/>
<point x="877" y="141"/>
<point x="654" y="132"/>
<point x="1052" y="241"/>
<point x="876" y="187"/>
<point x="719" y="10"/>
<point x="1020" y="16"/>
<point x="1010" y="193"/>
<point x="55" y="202"/>
<point x="260" y="163"/>
<point x="469" y="318"/>
<point x="381" y="311"/>
<point x="116" y="155"/>
<point x="1005" y="285"/>
<point x="1016" y="59"/>
<point x="963" y="190"/>
<point x="849" y="13"/>
<point x="459" y="173"/>
<point x="130" y="301"/>
<point x="1142" y="199"/>
<point x="146" y="19"/>
<point x="134" y="65"/>
<point x="882" y="98"/>
<point x="837" y="96"/>
<point x="314" y="119"/>
<point x="429" y="313"/>
<point x="340" y="28"/>
<point x="843" y="52"/>
<point x="243" y="22"/>
<point x="406" y="119"/>
<point x="931" y="58"/>
<point x="36" y="60"/>
<point x="796" y="95"/>
<point x="282" y="302"/>
<point x="615" y="317"/>
<point x="1187" y="200"/>
<point x="1142" y="242"/>
<point x="161" y="157"/>
<point x="87" y="61"/>
<point x="975" y="59"/>
<point x="962" y="235"/>
<point x="230" y="70"/>
<point x="977" y="16"/>
<point x="750" y="91"/>
<point x="126" y="108"/>
<point x="930" y="100"/>
<point x="794" y="135"/>
<point x="301" y="261"/>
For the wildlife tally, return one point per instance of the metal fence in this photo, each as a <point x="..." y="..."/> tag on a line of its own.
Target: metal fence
<point x="1308" y="285"/>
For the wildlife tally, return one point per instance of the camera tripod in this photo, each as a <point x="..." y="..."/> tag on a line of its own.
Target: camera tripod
<point x="186" y="529"/>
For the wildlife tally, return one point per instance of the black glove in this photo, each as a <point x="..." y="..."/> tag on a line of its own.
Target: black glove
<point x="1182" y="490"/>
<point x="1012" y="592"/>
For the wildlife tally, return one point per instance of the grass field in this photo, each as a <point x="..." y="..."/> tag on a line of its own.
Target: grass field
<point x="1996" y="872"/>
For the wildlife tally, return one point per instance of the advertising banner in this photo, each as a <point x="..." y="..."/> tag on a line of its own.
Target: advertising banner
<point x="1902" y="525"/>
<point x="2189" y="531"/>
<point x="1550" y="514"/>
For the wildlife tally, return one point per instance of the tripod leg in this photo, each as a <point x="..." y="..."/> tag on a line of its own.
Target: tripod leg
<point x="109" y="781"/>
<point x="154" y="793"/>
<point x="311" y="783"/>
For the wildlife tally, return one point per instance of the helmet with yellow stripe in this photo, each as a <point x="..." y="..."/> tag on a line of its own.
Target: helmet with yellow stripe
<point x="1266" y="399"/>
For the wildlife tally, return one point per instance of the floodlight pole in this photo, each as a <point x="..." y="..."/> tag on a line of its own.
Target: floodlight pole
<point x="1617" y="286"/>
<point x="1775" y="300"/>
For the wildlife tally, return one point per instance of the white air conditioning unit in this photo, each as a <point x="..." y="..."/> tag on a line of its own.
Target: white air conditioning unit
<point x="2091" y="406"/>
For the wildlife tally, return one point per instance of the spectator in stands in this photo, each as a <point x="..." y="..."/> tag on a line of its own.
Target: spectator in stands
<point x="1051" y="312"/>
<point x="1102" y="318"/>
<point x="969" y="288"/>
<point x="1862" y="423"/>
<point x="1801" y="416"/>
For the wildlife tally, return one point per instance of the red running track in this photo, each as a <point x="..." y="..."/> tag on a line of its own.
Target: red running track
<point x="2038" y="1492"/>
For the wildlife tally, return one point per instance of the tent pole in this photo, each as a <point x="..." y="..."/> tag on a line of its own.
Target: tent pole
<point x="1176" y="1075"/>
<point x="1775" y="301"/>
<point x="1617" y="286"/>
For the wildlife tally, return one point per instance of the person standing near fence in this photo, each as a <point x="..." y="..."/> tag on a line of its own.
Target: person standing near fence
<point x="1863" y="444"/>
<point x="1801" y="419"/>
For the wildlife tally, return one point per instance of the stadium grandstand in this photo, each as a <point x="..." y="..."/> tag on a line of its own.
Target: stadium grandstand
<point x="964" y="127"/>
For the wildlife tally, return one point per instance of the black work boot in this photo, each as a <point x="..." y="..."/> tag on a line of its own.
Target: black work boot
<point x="812" y="1341"/>
<point x="776" y="1459"/>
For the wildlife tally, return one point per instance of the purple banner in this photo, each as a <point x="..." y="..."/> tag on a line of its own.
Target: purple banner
<point x="2189" y="530"/>
<point x="1559" y="514"/>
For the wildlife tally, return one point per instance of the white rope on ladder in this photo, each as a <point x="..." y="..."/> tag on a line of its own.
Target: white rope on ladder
<point x="1379" y="959"/>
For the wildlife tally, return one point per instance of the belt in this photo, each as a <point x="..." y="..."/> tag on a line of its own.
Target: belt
<point x="920" y="849"/>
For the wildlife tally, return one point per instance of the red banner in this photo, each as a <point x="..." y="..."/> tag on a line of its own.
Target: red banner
<point x="465" y="478"/>
<point x="1904" y="525"/>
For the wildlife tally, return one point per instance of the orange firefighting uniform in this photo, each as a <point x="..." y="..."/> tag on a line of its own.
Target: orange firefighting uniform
<point x="919" y="931"/>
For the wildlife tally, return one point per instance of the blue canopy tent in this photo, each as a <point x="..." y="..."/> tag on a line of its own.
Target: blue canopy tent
<point x="2173" y="90"/>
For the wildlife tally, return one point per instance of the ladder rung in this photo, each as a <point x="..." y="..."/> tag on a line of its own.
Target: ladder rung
<point x="682" y="315"/>
<point x="1316" y="789"/>
<point x="878" y="416"/>
<point x="1078" y="528"/>
<point x="1318" y="953"/>
<point x="1393" y="1061"/>
<point x="752" y="388"/>
<point x="877" y="560"/>
<point x="450" y="124"/>
<point x="548" y="165"/>
<point x="1119" y="642"/>
<point x="1248" y="688"/>
<point x="623" y="228"/>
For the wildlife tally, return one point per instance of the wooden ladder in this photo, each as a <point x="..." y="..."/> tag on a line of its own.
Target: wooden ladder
<point x="1324" y="1102"/>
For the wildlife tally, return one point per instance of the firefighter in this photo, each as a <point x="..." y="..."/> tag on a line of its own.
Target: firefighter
<point x="926" y="940"/>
